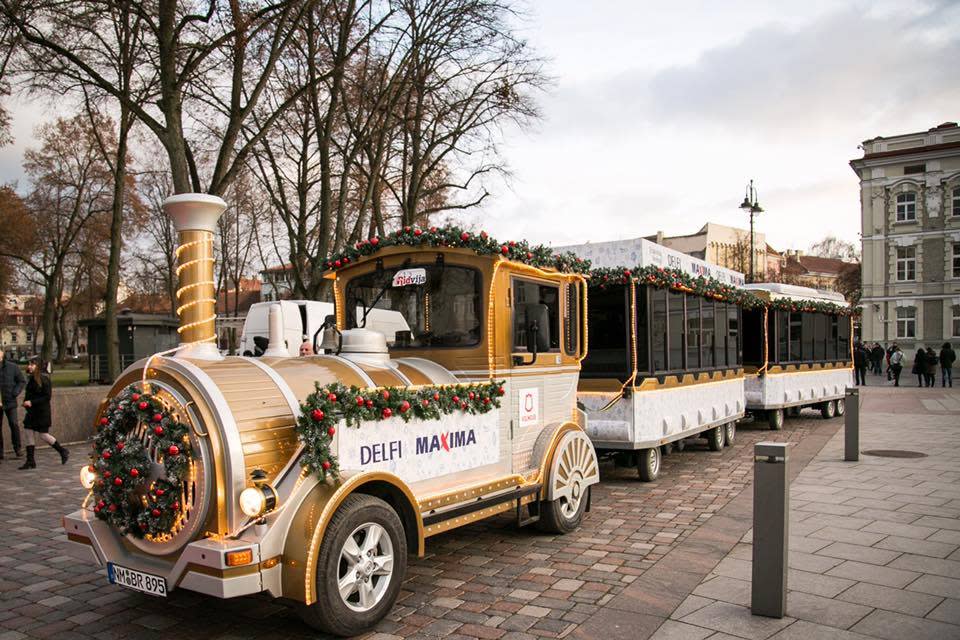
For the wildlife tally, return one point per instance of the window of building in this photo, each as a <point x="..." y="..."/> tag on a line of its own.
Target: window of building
<point x="955" y="209"/>
<point x="906" y="322"/>
<point x="956" y="259"/>
<point x="906" y="263"/>
<point x="29" y="337"/>
<point x="907" y="206"/>
<point x="914" y="168"/>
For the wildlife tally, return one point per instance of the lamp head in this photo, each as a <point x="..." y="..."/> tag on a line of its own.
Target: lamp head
<point x="746" y="205"/>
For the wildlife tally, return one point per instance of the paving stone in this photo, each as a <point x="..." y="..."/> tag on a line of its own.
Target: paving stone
<point x="806" y="544"/>
<point x="897" y="626"/>
<point x="803" y="630"/>
<point x="734" y="568"/>
<point x="825" y="611"/>
<point x="947" y="611"/>
<point x="924" y="564"/>
<point x="874" y="574"/>
<point x="919" y="547"/>
<point x="899" y="600"/>
<point x="937" y="585"/>
<point x="947" y="536"/>
<point x="859" y="553"/>
<point x="936" y="522"/>
<point x="689" y="605"/>
<point x="901" y="515"/>
<point x="567" y="584"/>
<point x="674" y="630"/>
<point x="736" y="620"/>
<point x="899" y="529"/>
<point x="817" y="584"/>
<point x="725" y="589"/>
<point x="812" y="562"/>
<point x="838" y="534"/>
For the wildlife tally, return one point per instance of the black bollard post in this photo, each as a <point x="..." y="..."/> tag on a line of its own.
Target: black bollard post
<point x="771" y="529"/>
<point x="851" y="425"/>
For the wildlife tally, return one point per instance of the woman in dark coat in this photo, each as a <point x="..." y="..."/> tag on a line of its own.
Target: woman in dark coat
<point x="920" y="366"/>
<point x="932" y="362"/>
<point x="36" y="423"/>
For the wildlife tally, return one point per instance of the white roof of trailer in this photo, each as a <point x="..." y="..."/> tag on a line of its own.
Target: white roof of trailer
<point x="640" y="252"/>
<point x="793" y="292"/>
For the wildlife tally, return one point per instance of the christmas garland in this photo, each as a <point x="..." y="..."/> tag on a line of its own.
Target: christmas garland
<point x="453" y="236"/>
<point x="666" y="278"/>
<point x="133" y="424"/>
<point x="329" y="404"/>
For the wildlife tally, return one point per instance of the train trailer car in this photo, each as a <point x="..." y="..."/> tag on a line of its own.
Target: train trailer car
<point x="311" y="478"/>
<point x="665" y="352"/>
<point x="797" y="352"/>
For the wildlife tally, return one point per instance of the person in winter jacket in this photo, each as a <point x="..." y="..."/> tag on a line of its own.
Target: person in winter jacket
<point x="12" y="383"/>
<point x="36" y="424"/>
<point x="947" y="357"/>
<point x="932" y="361"/>
<point x="895" y="364"/>
<point x="920" y="366"/>
<point x="860" y="363"/>
<point x="876" y="358"/>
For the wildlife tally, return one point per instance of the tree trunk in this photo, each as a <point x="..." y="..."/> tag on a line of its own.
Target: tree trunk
<point x="47" y="324"/>
<point x="116" y="247"/>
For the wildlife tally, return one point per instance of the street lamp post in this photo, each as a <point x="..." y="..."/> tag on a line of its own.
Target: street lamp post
<point x="751" y="204"/>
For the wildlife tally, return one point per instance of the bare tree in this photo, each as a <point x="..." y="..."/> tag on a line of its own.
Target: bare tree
<point x="833" y="247"/>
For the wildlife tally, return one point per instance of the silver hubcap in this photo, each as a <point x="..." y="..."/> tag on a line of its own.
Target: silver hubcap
<point x="654" y="455"/>
<point x="366" y="567"/>
<point x="731" y="432"/>
<point x="840" y="407"/>
<point x="576" y="463"/>
<point x="569" y="505"/>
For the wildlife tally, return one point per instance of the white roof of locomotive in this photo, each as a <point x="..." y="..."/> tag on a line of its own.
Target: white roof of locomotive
<point x="640" y="252"/>
<point x="779" y="291"/>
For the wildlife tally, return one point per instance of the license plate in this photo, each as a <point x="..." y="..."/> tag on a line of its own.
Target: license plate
<point x="137" y="580"/>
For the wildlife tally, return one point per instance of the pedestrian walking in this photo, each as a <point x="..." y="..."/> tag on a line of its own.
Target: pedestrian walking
<point x="919" y="368"/>
<point x="876" y="358"/>
<point x="37" y="421"/>
<point x="932" y="360"/>
<point x="890" y="351"/>
<point x="947" y="357"/>
<point x="860" y="364"/>
<point x="895" y="365"/>
<point x="12" y="383"/>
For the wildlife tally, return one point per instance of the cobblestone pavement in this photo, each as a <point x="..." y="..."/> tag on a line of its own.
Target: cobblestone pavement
<point x="489" y="580"/>
<point x="874" y="544"/>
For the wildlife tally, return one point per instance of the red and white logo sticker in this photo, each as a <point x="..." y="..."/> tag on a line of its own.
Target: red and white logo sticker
<point x="529" y="400"/>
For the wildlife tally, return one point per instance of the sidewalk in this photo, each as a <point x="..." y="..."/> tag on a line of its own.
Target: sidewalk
<point x="873" y="544"/>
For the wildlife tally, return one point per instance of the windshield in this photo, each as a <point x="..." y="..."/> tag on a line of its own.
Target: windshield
<point x="418" y="306"/>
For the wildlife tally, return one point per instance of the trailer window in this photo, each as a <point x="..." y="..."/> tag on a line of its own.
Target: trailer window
<point x="527" y="293"/>
<point x="676" y="339"/>
<point x="734" y="351"/>
<point x="795" y="322"/>
<point x="418" y="306"/>
<point x="693" y="332"/>
<point x="643" y="330"/>
<point x="708" y="332"/>
<point x="658" y="316"/>
<point x="608" y="329"/>
<point x="722" y="334"/>
<point x="571" y="318"/>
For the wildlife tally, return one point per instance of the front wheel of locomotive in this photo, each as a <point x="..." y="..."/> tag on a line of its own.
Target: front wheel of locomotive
<point x="575" y="464"/>
<point x="360" y="567"/>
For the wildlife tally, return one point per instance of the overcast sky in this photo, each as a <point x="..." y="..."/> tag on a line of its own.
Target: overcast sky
<point x="662" y="111"/>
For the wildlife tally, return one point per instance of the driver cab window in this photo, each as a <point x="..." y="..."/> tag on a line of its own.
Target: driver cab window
<point x="418" y="306"/>
<point x="536" y="304"/>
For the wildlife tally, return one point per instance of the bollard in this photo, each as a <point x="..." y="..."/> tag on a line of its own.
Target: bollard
<point x="771" y="513"/>
<point x="851" y="425"/>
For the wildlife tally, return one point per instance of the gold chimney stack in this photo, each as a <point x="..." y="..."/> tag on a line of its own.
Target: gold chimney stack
<point x="195" y="218"/>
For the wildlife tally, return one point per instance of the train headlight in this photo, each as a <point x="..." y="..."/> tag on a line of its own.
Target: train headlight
<point x="256" y="501"/>
<point x="88" y="476"/>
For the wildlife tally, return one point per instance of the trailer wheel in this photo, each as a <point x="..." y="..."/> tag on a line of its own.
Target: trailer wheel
<point x="649" y="464"/>
<point x="841" y="406"/>
<point x="794" y="412"/>
<point x="715" y="438"/>
<point x="775" y="419"/>
<point x="730" y="433"/>
<point x="828" y="409"/>
<point x="360" y="567"/>
<point x="679" y="445"/>
<point x="666" y="449"/>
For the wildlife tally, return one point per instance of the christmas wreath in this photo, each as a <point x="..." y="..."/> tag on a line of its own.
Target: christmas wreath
<point x="125" y="494"/>
<point x="328" y="405"/>
<point x="453" y="236"/>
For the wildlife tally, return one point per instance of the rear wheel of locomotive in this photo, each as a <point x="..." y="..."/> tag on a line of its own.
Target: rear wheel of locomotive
<point x="649" y="464"/>
<point x="360" y="567"/>
<point x="775" y="419"/>
<point x="828" y="409"/>
<point x="715" y="438"/>
<point x="575" y="463"/>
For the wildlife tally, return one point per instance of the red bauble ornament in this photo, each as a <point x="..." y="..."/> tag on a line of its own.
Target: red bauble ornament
<point x="173" y="450"/>
<point x="135" y="397"/>
<point x="143" y="405"/>
<point x="106" y="474"/>
<point x="529" y="255"/>
<point x="436" y="396"/>
<point x="331" y="431"/>
<point x="175" y="506"/>
<point x="504" y="250"/>
<point x="369" y="404"/>
<point x="374" y="241"/>
<point x="463" y="405"/>
<point x="112" y="508"/>
<point x="417" y="232"/>
<point x="455" y="399"/>
<point x="101" y="504"/>
<point x="471" y="395"/>
<point x="486" y="401"/>
<point x="157" y="417"/>
<point x="118" y="481"/>
<point x="512" y="243"/>
<point x="360" y="401"/>
<point x="143" y="527"/>
<point x="425" y="403"/>
<point x="387" y="412"/>
<point x="325" y="464"/>
<point x="158" y="430"/>
<point x="104" y="422"/>
<point x="332" y="397"/>
<point x="464" y="236"/>
<point x="385" y="394"/>
<point x="404" y="406"/>
<point x="120" y="446"/>
<point x="96" y="509"/>
<point x="160" y="492"/>
<point x="155" y="513"/>
<point x="501" y="391"/>
<point x="317" y="415"/>
<point x="106" y="454"/>
<point x="134" y="473"/>
<point x="337" y="263"/>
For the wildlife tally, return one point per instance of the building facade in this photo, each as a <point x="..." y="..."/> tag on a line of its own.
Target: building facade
<point x="20" y="332"/>
<point x="727" y="247"/>
<point x="910" y="218"/>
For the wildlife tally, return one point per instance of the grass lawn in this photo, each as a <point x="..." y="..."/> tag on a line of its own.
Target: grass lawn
<point x="69" y="375"/>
